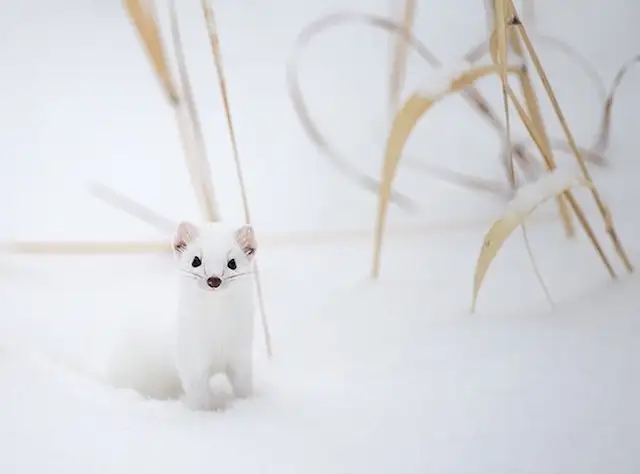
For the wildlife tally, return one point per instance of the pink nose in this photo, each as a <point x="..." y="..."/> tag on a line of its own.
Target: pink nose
<point x="214" y="282"/>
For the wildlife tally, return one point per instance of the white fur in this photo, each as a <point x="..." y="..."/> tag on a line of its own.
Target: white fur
<point x="214" y="326"/>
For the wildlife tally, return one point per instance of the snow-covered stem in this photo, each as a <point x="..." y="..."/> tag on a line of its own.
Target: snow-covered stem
<point x="529" y="196"/>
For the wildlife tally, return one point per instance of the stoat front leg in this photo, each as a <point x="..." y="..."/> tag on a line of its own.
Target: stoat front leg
<point x="240" y="373"/>
<point x="197" y="393"/>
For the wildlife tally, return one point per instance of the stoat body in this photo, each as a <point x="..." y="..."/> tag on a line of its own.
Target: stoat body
<point x="215" y="316"/>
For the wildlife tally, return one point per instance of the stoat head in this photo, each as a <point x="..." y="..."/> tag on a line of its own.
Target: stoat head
<point x="214" y="256"/>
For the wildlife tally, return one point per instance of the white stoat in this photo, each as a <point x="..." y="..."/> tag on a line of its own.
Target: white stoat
<point x="215" y="311"/>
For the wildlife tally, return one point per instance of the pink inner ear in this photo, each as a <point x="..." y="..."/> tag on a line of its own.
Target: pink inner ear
<point x="247" y="241"/>
<point x="185" y="233"/>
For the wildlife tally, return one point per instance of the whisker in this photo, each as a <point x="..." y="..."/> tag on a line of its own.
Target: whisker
<point x="233" y="277"/>
<point x="191" y="278"/>
<point x="194" y="275"/>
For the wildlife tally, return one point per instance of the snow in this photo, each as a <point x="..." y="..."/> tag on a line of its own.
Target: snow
<point x="439" y="80"/>
<point x="551" y="183"/>
<point x="393" y="375"/>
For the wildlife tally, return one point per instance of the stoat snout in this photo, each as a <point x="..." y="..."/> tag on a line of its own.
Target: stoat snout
<point x="214" y="282"/>
<point x="219" y="283"/>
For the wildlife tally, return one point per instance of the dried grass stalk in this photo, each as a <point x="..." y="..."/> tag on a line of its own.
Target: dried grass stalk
<point x="403" y="124"/>
<point x="523" y="158"/>
<point x="605" y="128"/>
<point x="476" y="53"/>
<point x="602" y="208"/>
<point x="501" y="229"/>
<point x="198" y="164"/>
<point x="190" y="152"/>
<point x="505" y="15"/>
<point x="551" y="165"/>
<point x="499" y="56"/>
<point x="133" y="208"/>
<point x="144" y="20"/>
<point x="590" y="155"/>
<point x="399" y="56"/>
<point x="142" y="15"/>
<point x="534" y="264"/>
<point x="461" y="179"/>
<point x="594" y="155"/>
<point x="274" y="238"/>
<point x="583" y="62"/>
<point x="471" y="95"/>
<point x="214" y="41"/>
<point x="84" y="248"/>
<point x="341" y="163"/>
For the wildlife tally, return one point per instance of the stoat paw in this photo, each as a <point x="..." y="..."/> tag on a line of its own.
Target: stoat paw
<point x="197" y="395"/>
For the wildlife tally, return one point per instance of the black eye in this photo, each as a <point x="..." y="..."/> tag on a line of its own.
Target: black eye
<point x="232" y="264"/>
<point x="196" y="262"/>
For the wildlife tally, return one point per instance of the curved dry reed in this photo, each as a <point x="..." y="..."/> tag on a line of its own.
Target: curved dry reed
<point x="502" y="228"/>
<point x="602" y="208"/>
<point x="593" y="155"/>
<point x="295" y="92"/>
<point x="403" y="124"/>
<point x="509" y="26"/>
<point x="476" y="53"/>
<point x="521" y="156"/>
<point x="548" y="159"/>
<point x="505" y="18"/>
<point x="472" y="183"/>
<point x="142" y="15"/>
<point x="605" y="128"/>
<point x="499" y="49"/>
<point x="471" y="95"/>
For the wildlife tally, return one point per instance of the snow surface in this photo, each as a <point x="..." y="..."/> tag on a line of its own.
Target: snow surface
<point x="394" y="375"/>
<point x="530" y="195"/>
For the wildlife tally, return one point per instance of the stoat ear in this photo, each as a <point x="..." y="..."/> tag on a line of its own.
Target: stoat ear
<point x="185" y="233"/>
<point x="247" y="240"/>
